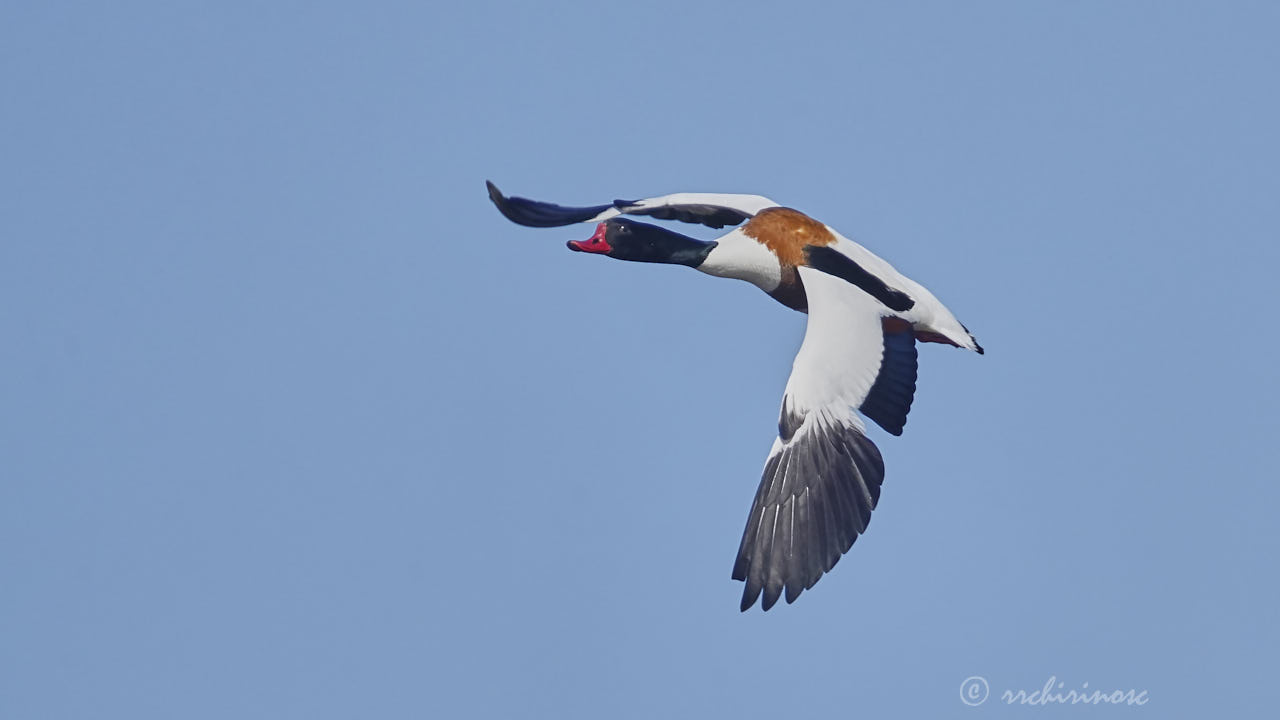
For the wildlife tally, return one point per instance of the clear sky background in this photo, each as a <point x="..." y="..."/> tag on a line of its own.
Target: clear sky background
<point x="293" y="424"/>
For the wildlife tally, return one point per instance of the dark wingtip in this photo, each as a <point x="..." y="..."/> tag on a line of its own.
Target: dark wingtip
<point x="975" y="341"/>
<point x="532" y="213"/>
<point x="500" y="201"/>
<point x="793" y="592"/>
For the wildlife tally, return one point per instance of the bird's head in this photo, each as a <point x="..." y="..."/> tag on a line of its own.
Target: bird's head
<point x="640" y="242"/>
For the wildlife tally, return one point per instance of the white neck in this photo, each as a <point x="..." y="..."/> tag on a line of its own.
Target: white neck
<point x="743" y="258"/>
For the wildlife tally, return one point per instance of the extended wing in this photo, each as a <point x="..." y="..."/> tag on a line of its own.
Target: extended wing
<point x="710" y="209"/>
<point x="822" y="478"/>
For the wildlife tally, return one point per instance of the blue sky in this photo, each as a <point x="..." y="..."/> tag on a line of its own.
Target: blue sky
<point x="295" y="425"/>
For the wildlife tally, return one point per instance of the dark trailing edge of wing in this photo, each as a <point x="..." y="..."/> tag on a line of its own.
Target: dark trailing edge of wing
<point x="815" y="498"/>
<point x="532" y="213"/>
<point x="833" y="262"/>
<point x="889" y="399"/>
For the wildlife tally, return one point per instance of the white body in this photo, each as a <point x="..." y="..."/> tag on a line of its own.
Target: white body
<point x="742" y="257"/>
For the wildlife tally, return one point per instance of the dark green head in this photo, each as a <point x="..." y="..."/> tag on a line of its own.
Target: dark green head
<point x="640" y="242"/>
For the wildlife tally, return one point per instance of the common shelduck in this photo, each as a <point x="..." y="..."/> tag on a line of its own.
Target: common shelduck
<point x="822" y="477"/>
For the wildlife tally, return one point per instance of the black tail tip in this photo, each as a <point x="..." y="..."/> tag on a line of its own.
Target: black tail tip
<point x="975" y="340"/>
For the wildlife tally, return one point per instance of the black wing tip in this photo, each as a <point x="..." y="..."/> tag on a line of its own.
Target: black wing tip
<point x="533" y="213"/>
<point x="976" y="346"/>
<point x="841" y="471"/>
<point x="751" y="593"/>
<point x="498" y="199"/>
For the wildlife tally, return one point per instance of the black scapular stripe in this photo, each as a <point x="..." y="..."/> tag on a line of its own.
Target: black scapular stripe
<point x="713" y="216"/>
<point x="833" y="262"/>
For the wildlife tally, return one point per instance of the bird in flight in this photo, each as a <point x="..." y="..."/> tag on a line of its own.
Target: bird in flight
<point x="822" y="477"/>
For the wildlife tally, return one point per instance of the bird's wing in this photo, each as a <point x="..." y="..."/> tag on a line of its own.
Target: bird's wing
<point x="822" y="478"/>
<point x="708" y="209"/>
